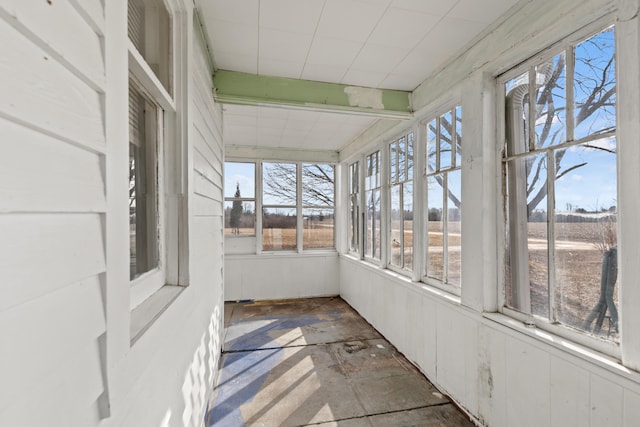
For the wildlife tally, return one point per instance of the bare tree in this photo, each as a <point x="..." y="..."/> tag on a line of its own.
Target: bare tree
<point x="317" y="184"/>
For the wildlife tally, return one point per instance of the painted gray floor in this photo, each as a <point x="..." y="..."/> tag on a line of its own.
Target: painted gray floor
<point x="317" y="362"/>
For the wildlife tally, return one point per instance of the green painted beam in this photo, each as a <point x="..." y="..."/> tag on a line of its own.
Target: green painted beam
<point x="232" y="87"/>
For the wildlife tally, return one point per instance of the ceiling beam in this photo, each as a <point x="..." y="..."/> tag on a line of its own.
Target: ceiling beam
<point x="231" y="87"/>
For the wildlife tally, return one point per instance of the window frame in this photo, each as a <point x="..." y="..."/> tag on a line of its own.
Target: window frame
<point x="567" y="44"/>
<point x="245" y="199"/>
<point x="299" y="206"/>
<point x="354" y="224"/>
<point x="379" y="188"/>
<point x="170" y="159"/>
<point x="402" y="178"/>
<point x="452" y="108"/>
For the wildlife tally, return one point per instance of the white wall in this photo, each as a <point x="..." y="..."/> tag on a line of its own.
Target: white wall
<point x="280" y="276"/>
<point x="501" y="372"/>
<point x="64" y="308"/>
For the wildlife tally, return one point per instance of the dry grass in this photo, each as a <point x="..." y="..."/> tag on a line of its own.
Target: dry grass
<point x="578" y="260"/>
<point x="285" y="238"/>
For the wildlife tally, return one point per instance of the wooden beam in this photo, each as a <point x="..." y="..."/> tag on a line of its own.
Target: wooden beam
<point x="232" y="87"/>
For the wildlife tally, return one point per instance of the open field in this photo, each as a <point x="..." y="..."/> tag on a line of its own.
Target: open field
<point x="578" y="269"/>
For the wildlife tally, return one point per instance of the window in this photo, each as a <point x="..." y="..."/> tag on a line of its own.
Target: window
<point x="317" y="206"/>
<point x="372" y="200"/>
<point x="561" y="200"/>
<point x="297" y="206"/>
<point x="154" y="204"/>
<point x="444" y="198"/>
<point x="401" y="197"/>
<point x="144" y="118"/>
<point x="149" y="28"/>
<point x="354" y="207"/>
<point x="239" y="199"/>
<point x="279" y="206"/>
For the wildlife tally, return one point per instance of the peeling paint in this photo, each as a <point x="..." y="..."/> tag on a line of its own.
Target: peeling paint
<point x="364" y="97"/>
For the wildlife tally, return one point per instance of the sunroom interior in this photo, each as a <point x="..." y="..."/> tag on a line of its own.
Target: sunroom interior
<point x="463" y="174"/>
<point x="507" y="235"/>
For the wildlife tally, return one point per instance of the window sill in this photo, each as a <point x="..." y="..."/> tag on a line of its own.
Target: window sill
<point x="286" y="254"/>
<point x="144" y="315"/>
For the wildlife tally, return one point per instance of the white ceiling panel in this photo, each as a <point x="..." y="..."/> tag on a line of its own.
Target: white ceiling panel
<point x="484" y="11"/>
<point x="323" y="73"/>
<point x="433" y="7"/>
<point x="284" y="46"/>
<point x="403" y="28"/>
<point x="379" y="58"/>
<point x="352" y="20"/>
<point x="273" y="67"/>
<point x="390" y="44"/>
<point x="237" y="38"/>
<point x="296" y="16"/>
<point x="333" y="52"/>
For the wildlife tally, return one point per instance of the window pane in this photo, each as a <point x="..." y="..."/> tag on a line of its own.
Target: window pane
<point x="317" y="228"/>
<point x="317" y="185"/>
<point x="396" y="226"/>
<point x="410" y="156"/>
<point x="445" y="140"/>
<point x="279" y="184"/>
<point x="586" y="237"/>
<point x="595" y="85"/>
<point x="279" y="229"/>
<point x="239" y="218"/>
<point x="143" y="190"/>
<point x="354" y="229"/>
<point x="239" y="176"/>
<point x="454" y="231"/>
<point x="393" y="161"/>
<point x="550" y="125"/>
<point x="149" y="29"/>
<point x="435" y="227"/>
<point x="458" y="136"/>
<point x="372" y="226"/>
<point x="354" y="208"/>
<point x="407" y="199"/>
<point x="431" y="146"/>
<point x="402" y="159"/>
<point x="517" y="110"/>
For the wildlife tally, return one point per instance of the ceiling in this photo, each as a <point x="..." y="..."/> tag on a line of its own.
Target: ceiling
<point x="383" y="44"/>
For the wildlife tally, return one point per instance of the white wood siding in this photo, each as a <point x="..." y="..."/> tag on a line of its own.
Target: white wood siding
<point x="66" y="354"/>
<point x="52" y="210"/>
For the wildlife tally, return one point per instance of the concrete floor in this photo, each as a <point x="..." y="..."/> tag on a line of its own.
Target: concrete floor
<point x="317" y="362"/>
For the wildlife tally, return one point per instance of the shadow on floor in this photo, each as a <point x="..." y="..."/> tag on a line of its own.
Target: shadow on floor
<point x="317" y="362"/>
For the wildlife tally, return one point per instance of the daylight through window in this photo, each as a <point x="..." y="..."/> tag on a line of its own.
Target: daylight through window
<point x="561" y="176"/>
<point x="443" y="176"/>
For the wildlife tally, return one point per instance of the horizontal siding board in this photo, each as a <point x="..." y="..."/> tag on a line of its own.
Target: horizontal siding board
<point x="52" y="331"/>
<point x="92" y="11"/>
<point x="59" y="29"/>
<point x="204" y="167"/>
<point x="40" y="173"/>
<point x="39" y="91"/>
<point x="203" y="206"/>
<point x="206" y="188"/>
<point x="204" y="119"/>
<point x="207" y="139"/>
<point x="65" y="248"/>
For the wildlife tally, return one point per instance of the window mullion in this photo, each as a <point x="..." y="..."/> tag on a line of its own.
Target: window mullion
<point x="445" y="227"/>
<point x="454" y="138"/>
<point x="299" y="219"/>
<point x="570" y="114"/>
<point x="551" y="246"/>
<point x="531" y="122"/>
<point x="259" y="208"/>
